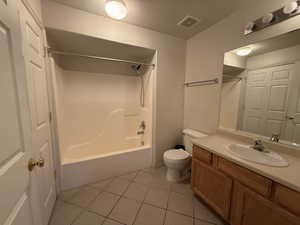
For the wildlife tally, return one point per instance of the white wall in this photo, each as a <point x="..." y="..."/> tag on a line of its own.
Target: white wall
<point x="205" y="53"/>
<point x="281" y="56"/>
<point x="58" y="94"/>
<point x="230" y="99"/>
<point x="231" y="59"/>
<point x="170" y="63"/>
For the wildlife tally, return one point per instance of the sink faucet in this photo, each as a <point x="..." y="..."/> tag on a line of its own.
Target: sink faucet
<point x="275" y="137"/>
<point x="258" y="145"/>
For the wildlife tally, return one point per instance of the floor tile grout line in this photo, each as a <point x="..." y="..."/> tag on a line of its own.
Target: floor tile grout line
<point x="77" y="217"/>
<point x="84" y="207"/>
<point x="142" y="203"/>
<point x="134" y="220"/>
<point x="170" y="190"/>
<point x="102" y="191"/>
<point x="108" y="218"/>
<point x="120" y="197"/>
<point x="171" y="210"/>
<point x="169" y="195"/>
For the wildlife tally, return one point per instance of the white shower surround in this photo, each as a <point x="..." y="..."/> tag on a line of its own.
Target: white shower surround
<point x="114" y="136"/>
<point x="97" y="119"/>
<point x="92" y="168"/>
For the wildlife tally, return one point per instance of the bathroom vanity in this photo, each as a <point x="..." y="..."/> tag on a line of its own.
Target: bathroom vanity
<point x="246" y="182"/>
<point x="243" y="192"/>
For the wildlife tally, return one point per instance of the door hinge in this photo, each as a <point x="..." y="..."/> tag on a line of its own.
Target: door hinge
<point x="50" y="117"/>
<point x="45" y="49"/>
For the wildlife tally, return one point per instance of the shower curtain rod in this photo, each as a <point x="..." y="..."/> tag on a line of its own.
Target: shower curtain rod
<point x="98" y="57"/>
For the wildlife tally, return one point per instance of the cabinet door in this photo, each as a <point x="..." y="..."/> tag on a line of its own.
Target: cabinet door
<point x="212" y="186"/>
<point x="249" y="208"/>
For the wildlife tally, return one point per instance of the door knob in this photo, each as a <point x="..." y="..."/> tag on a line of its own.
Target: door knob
<point x="41" y="162"/>
<point x="33" y="163"/>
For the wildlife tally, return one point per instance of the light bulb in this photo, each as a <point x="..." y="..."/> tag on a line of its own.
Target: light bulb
<point x="244" y="51"/>
<point x="116" y="9"/>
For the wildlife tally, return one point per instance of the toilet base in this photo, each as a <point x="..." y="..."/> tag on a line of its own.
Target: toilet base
<point x="175" y="175"/>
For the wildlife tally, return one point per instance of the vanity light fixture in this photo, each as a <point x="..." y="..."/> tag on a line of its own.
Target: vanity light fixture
<point x="249" y="27"/>
<point x="290" y="7"/>
<point x="244" y="51"/>
<point x="289" y="10"/>
<point x="268" y="18"/>
<point x="116" y="9"/>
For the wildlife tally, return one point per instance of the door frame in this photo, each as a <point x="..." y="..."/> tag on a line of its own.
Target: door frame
<point x="53" y="123"/>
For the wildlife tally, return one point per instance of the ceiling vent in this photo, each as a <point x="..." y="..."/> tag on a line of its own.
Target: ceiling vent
<point x="188" y="22"/>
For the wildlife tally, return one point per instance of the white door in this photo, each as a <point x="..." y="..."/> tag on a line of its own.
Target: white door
<point x="266" y="100"/>
<point x="279" y="88"/>
<point x="255" y="101"/>
<point x="293" y="114"/>
<point x="33" y="50"/>
<point x="15" y="202"/>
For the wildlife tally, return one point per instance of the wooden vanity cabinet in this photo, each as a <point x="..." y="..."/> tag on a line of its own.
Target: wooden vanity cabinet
<point x="241" y="196"/>
<point x="258" y="183"/>
<point x="250" y="208"/>
<point x="212" y="186"/>
<point x="287" y="198"/>
<point x="202" y="155"/>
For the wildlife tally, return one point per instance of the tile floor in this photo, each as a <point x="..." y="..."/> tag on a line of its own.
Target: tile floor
<point x="140" y="198"/>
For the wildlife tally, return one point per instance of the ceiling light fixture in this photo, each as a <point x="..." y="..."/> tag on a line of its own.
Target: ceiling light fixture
<point x="116" y="9"/>
<point x="244" y="51"/>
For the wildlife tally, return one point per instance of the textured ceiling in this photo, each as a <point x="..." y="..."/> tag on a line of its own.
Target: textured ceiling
<point x="163" y="15"/>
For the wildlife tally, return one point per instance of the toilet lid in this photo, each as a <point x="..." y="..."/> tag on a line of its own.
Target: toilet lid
<point x="176" y="154"/>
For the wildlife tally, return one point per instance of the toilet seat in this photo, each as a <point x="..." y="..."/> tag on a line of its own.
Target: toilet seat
<point x="176" y="154"/>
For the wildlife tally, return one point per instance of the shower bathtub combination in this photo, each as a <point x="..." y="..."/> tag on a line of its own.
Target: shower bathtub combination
<point x="103" y="115"/>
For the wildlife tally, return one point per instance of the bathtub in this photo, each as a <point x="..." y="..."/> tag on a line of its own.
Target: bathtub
<point x="80" y="168"/>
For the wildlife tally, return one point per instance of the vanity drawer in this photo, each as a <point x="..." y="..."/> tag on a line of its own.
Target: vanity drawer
<point x="202" y="154"/>
<point x="258" y="183"/>
<point x="287" y="198"/>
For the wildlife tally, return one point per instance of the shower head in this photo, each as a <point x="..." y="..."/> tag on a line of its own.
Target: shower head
<point x="137" y="67"/>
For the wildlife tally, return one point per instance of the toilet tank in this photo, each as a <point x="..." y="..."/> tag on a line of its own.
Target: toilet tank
<point x="188" y="135"/>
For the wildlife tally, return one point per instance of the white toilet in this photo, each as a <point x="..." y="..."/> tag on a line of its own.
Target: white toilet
<point x="178" y="161"/>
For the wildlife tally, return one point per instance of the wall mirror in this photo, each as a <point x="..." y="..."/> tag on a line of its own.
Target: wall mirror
<point x="261" y="88"/>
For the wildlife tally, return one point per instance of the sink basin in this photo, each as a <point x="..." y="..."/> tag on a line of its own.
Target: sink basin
<point x="267" y="158"/>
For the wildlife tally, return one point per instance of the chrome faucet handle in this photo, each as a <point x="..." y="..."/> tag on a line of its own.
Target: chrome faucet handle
<point x="275" y="137"/>
<point x="258" y="142"/>
<point x="258" y="145"/>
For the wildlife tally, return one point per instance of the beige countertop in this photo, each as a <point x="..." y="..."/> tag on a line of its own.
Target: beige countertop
<point x="288" y="176"/>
